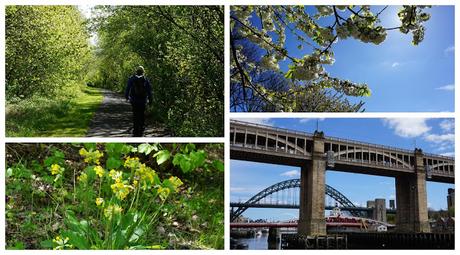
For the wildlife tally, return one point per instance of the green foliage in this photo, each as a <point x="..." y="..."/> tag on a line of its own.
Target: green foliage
<point x="181" y="48"/>
<point x="258" y="84"/>
<point x="68" y="198"/>
<point x="49" y="60"/>
<point x="46" y="49"/>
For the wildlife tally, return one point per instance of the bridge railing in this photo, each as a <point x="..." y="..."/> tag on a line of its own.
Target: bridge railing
<point x="364" y="144"/>
<point x="374" y="163"/>
<point x="276" y="129"/>
<point x="434" y="156"/>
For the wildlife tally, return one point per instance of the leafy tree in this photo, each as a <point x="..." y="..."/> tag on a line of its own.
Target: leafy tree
<point x="181" y="48"/>
<point x="46" y="49"/>
<point x="307" y="86"/>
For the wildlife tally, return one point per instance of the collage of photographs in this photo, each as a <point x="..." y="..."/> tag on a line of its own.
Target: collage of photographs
<point x="227" y="127"/>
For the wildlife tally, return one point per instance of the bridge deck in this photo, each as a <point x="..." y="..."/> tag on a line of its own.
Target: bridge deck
<point x="267" y="144"/>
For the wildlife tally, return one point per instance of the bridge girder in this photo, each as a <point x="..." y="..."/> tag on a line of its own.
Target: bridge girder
<point x="295" y="183"/>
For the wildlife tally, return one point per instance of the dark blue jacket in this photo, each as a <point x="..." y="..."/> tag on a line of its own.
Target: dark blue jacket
<point x="129" y="93"/>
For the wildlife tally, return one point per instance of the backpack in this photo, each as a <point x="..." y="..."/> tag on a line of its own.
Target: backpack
<point x="139" y="88"/>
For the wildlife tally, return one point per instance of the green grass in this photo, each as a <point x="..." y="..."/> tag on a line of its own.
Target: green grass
<point x="64" y="116"/>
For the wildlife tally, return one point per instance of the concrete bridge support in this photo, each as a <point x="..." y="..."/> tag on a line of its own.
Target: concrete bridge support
<point x="312" y="191"/>
<point x="411" y="199"/>
<point x="380" y="210"/>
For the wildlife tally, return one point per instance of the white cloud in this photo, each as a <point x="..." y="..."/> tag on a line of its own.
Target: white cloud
<point x="263" y="121"/>
<point x="408" y="127"/>
<point x="292" y="173"/>
<point x="448" y="87"/>
<point x="449" y="49"/>
<point x="238" y="189"/>
<point x="312" y="119"/>
<point x="448" y="154"/>
<point x="434" y="138"/>
<point x="395" y="64"/>
<point x="447" y="125"/>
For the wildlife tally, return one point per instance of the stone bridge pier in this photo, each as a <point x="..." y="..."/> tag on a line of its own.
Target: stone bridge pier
<point x="411" y="199"/>
<point x="312" y="191"/>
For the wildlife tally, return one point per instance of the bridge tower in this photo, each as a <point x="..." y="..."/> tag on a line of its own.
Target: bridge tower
<point x="312" y="191"/>
<point x="411" y="199"/>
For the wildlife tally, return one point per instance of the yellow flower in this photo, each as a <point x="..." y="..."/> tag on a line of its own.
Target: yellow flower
<point x="112" y="210"/>
<point x="99" y="201"/>
<point x="146" y="175"/>
<point x="121" y="190"/>
<point x="117" y="176"/>
<point x="135" y="183"/>
<point x="91" y="156"/>
<point x="60" y="243"/>
<point x="83" y="152"/>
<point x="163" y="192"/>
<point x="83" y="177"/>
<point x="56" y="169"/>
<point x="99" y="171"/>
<point x="175" y="181"/>
<point x="131" y="162"/>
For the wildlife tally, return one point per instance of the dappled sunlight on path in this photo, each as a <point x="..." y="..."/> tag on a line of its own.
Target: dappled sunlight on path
<point x="114" y="119"/>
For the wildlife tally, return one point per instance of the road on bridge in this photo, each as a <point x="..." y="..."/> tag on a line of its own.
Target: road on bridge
<point x="114" y="119"/>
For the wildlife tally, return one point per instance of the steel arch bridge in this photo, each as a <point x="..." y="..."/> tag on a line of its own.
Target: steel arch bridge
<point x="290" y="184"/>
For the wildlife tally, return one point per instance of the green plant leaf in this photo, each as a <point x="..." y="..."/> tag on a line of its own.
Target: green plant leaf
<point x="219" y="165"/>
<point x="162" y="156"/>
<point x="113" y="163"/>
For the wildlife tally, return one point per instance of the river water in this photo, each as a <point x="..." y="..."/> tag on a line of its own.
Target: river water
<point x="259" y="242"/>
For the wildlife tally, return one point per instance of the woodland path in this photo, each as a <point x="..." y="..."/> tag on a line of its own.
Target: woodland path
<point x="114" y="119"/>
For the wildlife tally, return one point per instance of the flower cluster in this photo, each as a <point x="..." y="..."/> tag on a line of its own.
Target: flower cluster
<point x="132" y="163"/>
<point x="308" y="68"/>
<point x="91" y="156"/>
<point x="146" y="175"/>
<point x="121" y="189"/>
<point x="61" y="243"/>
<point x="99" y="201"/>
<point x="99" y="171"/>
<point x="363" y="29"/>
<point x="83" y="177"/>
<point x="56" y="169"/>
<point x="112" y="210"/>
<point x="117" y="176"/>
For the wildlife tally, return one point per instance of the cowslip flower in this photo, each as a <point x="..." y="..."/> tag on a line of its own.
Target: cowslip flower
<point x="99" y="201"/>
<point x="112" y="210"/>
<point x="175" y="181"/>
<point x="83" y="152"/>
<point x="61" y="243"/>
<point x="146" y="175"/>
<point x="56" y="169"/>
<point x="99" y="171"/>
<point x="121" y="190"/>
<point x="163" y="192"/>
<point x="117" y="176"/>
<point x="131" y="162"/>
<point x="91" y="156"/>
<point x="83" y="177"/>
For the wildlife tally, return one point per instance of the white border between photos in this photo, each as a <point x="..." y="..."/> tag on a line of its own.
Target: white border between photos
<point x="227" y="117"/>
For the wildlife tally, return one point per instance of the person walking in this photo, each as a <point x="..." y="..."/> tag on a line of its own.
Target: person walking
<point x="138" y="90"/>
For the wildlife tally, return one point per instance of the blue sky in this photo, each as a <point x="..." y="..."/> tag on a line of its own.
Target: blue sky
<point x="432" y="135"/>
<point x="402" y="77"/>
